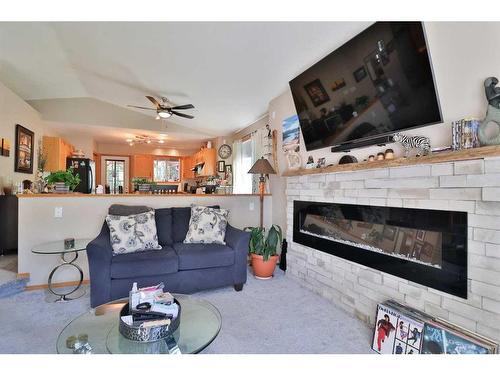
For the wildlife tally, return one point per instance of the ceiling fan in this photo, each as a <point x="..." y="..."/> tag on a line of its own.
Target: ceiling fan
<point x="165" y="109"/>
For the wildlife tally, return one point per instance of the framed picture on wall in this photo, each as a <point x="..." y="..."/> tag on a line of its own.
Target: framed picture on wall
<point x="221" y="166"/>
<point x="4" y="147"/>
<point x="229" y="168"/>
<point x="316" y="92"/>
<point x="24" y="150"/>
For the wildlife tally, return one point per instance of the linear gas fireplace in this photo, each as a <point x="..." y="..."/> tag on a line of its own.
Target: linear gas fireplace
<point x="428" y="247"/>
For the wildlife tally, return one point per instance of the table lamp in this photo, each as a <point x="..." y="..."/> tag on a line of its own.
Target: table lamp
<point x="263" y="168"/>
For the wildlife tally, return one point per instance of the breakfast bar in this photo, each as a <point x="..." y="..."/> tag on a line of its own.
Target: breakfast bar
<point x="54" y="217"/>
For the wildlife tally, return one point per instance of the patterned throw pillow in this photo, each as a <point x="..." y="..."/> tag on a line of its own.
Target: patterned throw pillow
<point x="207" y="225"/>
<point x="133" y="233"/>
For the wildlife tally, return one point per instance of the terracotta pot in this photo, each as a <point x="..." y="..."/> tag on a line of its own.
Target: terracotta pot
<point x="261" y="269"/>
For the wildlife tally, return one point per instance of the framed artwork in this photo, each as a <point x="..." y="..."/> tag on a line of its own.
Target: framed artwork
<point x="389" y="232"/>
<point x="24" y="150"/>
<point x="359" y="74"/>
<point x="338" y="84"/>
<point x="4" y="147"/>
<point x="229" y="168"/>
<point x="221" y="166"/>
<point x="321" y="163"/>
<point x="420" y="235"/>
<point x="316" y="92"/>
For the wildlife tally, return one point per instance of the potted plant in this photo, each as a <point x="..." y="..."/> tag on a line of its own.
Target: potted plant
<point x="263" y="250"/>
<point x="141" y="184"/>
<point x="64" y="181"/>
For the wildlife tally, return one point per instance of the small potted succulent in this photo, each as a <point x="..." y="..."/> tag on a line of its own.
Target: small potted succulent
<point x="263" y="250"/>
<point x="63" y="181"/>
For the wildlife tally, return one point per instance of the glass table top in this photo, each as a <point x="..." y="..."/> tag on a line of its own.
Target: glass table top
<point x="57" y="247"/>
<point x="199" y="326"/>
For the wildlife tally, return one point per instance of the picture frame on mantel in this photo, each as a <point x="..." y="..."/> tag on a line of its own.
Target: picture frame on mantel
<point x="24" y="150"/>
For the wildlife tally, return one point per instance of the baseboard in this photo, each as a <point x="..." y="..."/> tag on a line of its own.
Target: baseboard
<point x="25" y="275"/>
<point x="55" y="285"/>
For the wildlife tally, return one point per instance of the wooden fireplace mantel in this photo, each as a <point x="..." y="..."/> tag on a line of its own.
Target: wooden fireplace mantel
<point x="442" y="157"/>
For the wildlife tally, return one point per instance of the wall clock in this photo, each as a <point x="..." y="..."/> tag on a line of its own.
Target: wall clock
<point x="225" y="151"/>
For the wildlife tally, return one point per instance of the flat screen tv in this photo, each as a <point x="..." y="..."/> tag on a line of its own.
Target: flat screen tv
<point x="377" y="83"/>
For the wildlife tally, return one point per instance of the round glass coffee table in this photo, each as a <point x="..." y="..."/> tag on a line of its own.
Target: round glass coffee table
<point x="57" y="247"/>
<point x="200" y="324"/>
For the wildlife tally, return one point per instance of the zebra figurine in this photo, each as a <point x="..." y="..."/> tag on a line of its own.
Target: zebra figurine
<point x="422" y="144"/>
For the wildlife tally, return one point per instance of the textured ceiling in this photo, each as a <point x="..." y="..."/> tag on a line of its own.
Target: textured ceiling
<point x="229" y="71"/>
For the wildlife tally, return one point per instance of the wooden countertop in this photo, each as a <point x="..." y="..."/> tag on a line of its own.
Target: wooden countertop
<point x="81" y="195"/>
<point x="441" y="157"/>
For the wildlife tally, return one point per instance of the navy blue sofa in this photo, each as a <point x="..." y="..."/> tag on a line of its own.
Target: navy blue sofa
<point x="183" y="268"/>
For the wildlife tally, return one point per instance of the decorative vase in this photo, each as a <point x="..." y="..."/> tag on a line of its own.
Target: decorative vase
<point x="264" y="269"/>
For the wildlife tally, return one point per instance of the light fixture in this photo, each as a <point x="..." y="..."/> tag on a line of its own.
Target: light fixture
<point x="263" y="168"/>
<point x="158" y="117"/>
<point x="145" y="139"/>
<point x="164" y="114"/>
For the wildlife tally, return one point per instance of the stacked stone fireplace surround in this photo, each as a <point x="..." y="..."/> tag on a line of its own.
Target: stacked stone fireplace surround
<point x="472" y="186"/>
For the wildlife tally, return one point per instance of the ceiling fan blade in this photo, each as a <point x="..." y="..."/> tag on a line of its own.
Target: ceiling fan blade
<point x="136" y="106"/>
<point x="154" y="101"/>
<point x="185" y="106"/>
<point x="181" y="114"/>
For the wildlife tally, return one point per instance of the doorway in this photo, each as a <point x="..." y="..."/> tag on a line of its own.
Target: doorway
<point x="114" y="174"/>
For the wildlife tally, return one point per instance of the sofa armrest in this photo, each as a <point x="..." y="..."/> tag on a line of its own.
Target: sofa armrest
<point x="238" y="240"/>
<point x="99" y="254"/>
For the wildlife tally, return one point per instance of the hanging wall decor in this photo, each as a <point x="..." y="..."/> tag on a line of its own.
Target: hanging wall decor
<point x="24" y="152"/>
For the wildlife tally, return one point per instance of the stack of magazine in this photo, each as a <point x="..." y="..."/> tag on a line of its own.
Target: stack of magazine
<point x="464" y="134"/>
<point x="400" y="329"/>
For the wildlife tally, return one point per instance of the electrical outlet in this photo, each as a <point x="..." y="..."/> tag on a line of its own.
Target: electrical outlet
<point x="251" y="206"/>
<point x="58" y="212"/>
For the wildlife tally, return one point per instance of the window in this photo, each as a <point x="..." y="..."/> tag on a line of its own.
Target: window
<point x="242" y="162"/>
<point x="166" y="170"/>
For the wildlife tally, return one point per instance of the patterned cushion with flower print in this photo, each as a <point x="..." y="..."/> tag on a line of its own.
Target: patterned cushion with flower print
<point x="133" y="233"/>
<point x="207" y="225"/>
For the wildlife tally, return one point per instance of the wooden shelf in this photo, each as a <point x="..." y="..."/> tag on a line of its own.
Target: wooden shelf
<point x="442" y="157"/>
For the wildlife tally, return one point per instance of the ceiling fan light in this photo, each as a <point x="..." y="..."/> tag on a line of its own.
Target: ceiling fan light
<point x="148" y="141"/>
<point x="161" y="141"/>
<point x="131" y="144"/>
<point x="158" y="117"/>
<point x="164" y="114"/>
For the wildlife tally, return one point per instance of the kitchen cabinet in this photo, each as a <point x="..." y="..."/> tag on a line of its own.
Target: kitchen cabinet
<point x="142" y="166"/>
<point x="187" y="166"/>
<point x="207" y="156"/>
<point x="56" y="150"/>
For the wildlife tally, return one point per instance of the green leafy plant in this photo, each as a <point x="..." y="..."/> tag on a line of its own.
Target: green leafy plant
<point x="66" y="176"/>
<point x="260" y="244"/>
<point x="140" y="181"/>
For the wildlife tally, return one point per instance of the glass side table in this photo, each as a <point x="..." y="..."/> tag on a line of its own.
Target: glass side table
<point x="57" y="247"/>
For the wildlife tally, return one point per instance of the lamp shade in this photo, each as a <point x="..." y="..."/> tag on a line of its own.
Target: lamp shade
<point x="262" y="166"/>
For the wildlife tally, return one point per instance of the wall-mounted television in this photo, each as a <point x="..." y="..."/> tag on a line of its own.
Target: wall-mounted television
<point x="377" y="83"/>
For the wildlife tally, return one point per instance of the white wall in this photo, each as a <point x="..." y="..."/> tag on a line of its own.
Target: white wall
<point x="14" y="110"/>
<point x="463" y="54"/>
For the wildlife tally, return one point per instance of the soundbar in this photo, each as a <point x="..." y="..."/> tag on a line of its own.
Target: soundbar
<point x="348" y="146"/>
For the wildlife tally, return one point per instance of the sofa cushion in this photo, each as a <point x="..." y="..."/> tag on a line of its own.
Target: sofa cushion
<point x="180" y="222"/>
<point x="207" y="225"/>
<point x="133" y="233"/>
<point x="164" y="226"/>
<point x="196" y="255"/>
<point x="125" y="210"/>
<point x="149" y="263"/>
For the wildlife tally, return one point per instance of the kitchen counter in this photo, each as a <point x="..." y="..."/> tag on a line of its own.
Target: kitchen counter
<point x="176" y="195"/>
